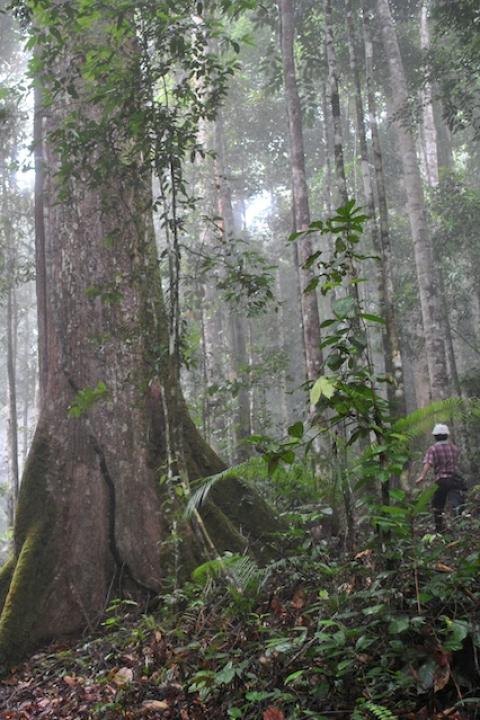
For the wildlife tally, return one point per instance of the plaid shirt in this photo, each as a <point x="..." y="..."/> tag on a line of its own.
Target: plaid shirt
<point x="443" y="457"/>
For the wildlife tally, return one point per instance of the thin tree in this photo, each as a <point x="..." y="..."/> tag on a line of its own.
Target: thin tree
<point x="239" y="355"/>
<point x="434" y="321"/>
<point x="379" y="225"/>
<point x="301" y="207"/>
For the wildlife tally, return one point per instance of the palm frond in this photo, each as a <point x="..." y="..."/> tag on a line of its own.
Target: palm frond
<point x="200" y="494"/>
<point x="245" y="573"/>
<point x="240" y="570"/>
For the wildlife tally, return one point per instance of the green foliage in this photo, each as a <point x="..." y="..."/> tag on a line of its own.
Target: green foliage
<point x="455" y="60"/>
<point x="117" y="611"/>
<point x="86" y="398"/>
<point x="421" y="420"/>
<point x="246" y="275"/>
<point x="317" y="633"/>
<point x="367" y="709"/>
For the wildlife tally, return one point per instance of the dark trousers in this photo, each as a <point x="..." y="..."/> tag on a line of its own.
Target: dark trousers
<point x="452" y="486"/>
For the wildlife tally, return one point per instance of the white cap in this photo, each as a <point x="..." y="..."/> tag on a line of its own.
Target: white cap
<point x="440" y="429"/>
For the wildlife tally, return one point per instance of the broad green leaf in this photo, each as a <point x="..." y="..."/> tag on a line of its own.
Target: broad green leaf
<point x="399" y="625"/>
<point x="288" y="457"/>
<point x="457" y="632"/>
<point x="235" y="713"/>
<point x="373" y="318"/>
<point x="293" y="676"/>
<point x="296" y="430"/>
<point x="374" y="609"/>
<point x="323" y="386"/>
<point x="423" y="501"/>
<point x="344" y="307"/>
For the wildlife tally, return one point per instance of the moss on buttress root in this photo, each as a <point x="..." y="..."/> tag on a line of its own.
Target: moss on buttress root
<point x="32" y="567"/>
<point x="250" y="514"/>
<point x="222" y="531"/>
<point x="6" y="574"/>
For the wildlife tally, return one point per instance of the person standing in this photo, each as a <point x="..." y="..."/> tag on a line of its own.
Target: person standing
<point x="442" y="456"/>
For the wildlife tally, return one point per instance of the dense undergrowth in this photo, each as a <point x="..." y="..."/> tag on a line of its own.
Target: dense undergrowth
<point x="391" y="631"/>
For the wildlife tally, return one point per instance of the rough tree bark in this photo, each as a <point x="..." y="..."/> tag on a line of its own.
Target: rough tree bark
<point x="430" y="302"/>
<point x="301" y="208"/>
<point x="93" y="518"/>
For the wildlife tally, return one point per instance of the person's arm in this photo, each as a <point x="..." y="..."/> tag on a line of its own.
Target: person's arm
<point x="423" y="474"/>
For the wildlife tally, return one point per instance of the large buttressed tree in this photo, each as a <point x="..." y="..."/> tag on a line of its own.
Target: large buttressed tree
<point x="121" y="97"/>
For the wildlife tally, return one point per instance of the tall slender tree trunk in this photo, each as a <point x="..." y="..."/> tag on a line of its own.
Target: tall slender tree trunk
<point x="381" y="230"/>
<point x="444" y="136"/>
<point x="329" y="148"/>
<point x="13" y="474"/>
<point x="9" y="249"/>
<point x="426" y="98"/>
<point x="434" y="322"/>
<point x="432" y="175"/>
<point x="334" y="97"/>
<point x="28" y="381"/>
<point x="309" y="304"/>
<point x="40" y="256"/>
<point x="239" y="355"/>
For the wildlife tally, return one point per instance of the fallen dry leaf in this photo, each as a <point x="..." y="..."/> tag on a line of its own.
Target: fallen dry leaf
<point x="442" y="676"/>
<point x="363" y="554"/>
<point x="441" y="567"/>
<point x="277" y="606"/>
<point x="123" y="676"/>
<point x="273" y="713"/>
<point x="298" y="600"/>
<point x="155" y="705"/>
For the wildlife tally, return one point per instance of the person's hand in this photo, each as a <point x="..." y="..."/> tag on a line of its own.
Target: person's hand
<point x="419" y="480"/>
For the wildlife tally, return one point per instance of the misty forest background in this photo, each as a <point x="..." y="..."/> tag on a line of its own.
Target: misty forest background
<point x="313" y="174"/>
<point x="243" y="351"/>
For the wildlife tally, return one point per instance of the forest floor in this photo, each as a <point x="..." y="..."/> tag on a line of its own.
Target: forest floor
<point x="307" y="637"/>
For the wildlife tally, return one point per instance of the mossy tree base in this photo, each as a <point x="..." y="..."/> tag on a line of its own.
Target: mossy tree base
<point x="77" y="546"/>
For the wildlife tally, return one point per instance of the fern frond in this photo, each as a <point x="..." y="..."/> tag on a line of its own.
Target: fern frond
<point x="379" y="711"/>
<point x="420" y="420"/>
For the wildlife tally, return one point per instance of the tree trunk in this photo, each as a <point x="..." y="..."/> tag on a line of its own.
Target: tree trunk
<point x="93" y="520"/>
<point x="13" y="475"/>
<point x="40" y="256"/>
<point x="430" y="301"/>
<point x="426" y="97"/>
<point x="335" y="106"/>
<point x="309" y="304"/>
<point x="28" y="381"/>
<point x="239" y="354"/>
<point x="386" y="292"/>
<point x="444" y="136"/>
<point x="329" y="148"/>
